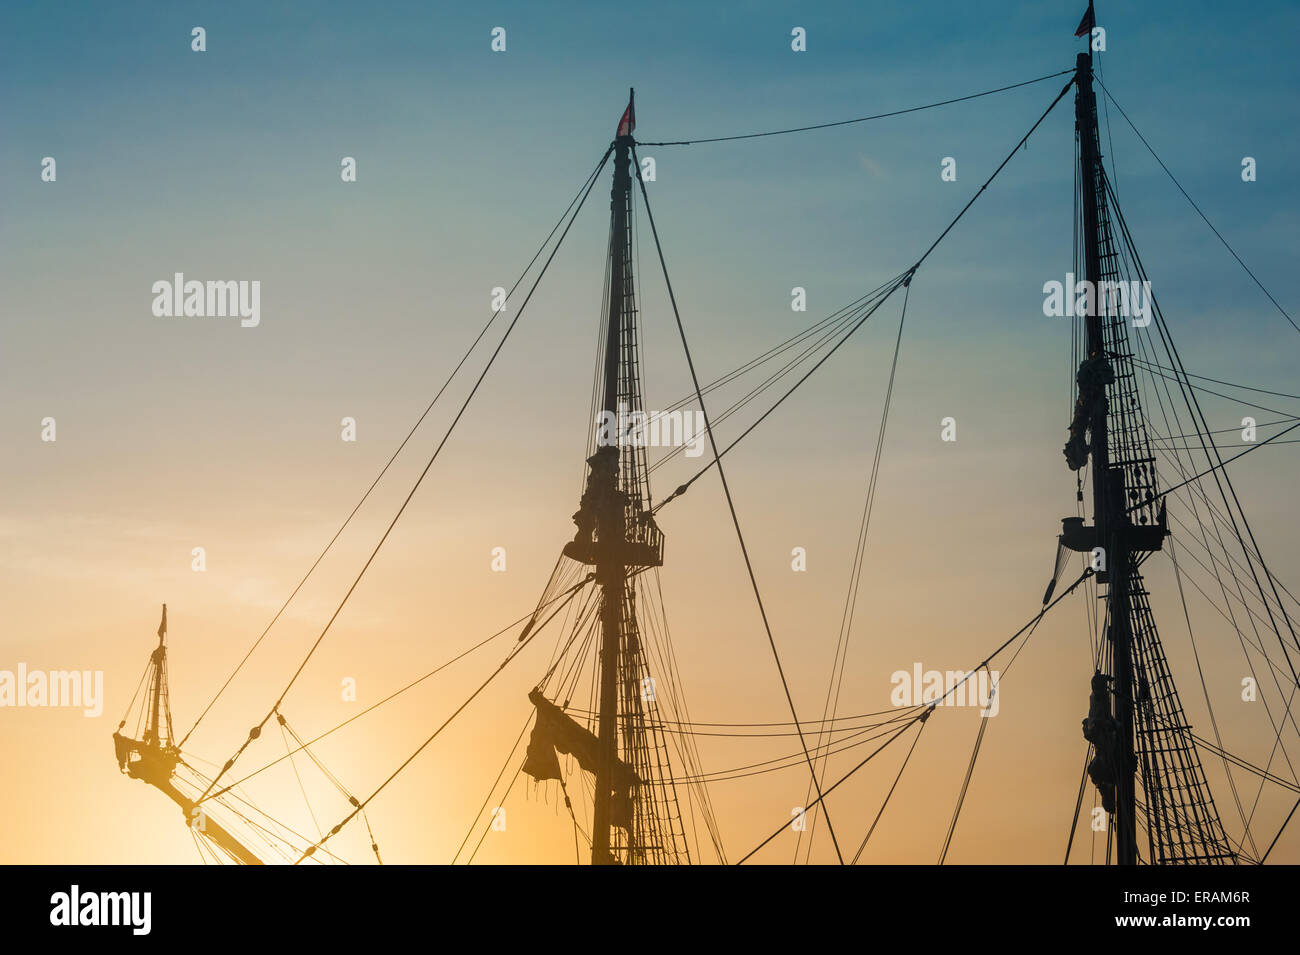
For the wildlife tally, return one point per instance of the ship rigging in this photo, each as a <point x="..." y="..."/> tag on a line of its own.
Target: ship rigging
<point x="634" y="740"/>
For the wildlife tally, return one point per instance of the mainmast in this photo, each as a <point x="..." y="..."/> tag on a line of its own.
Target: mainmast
<point x="611" y="570"/>
<point x="615" y="533"/>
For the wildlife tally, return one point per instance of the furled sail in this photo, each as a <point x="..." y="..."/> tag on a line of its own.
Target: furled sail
<point x="555" y="732"/>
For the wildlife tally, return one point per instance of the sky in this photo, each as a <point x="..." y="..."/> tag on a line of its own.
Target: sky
<point x="180" y="433"/>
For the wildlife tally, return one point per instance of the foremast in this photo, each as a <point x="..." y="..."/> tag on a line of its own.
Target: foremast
<point x="153" y="758"/>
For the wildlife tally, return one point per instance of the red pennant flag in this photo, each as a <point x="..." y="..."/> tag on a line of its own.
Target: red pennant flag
<point x="628" y="122"/>
<point x="1087" y="23"/>
<point x="162" y="627"/>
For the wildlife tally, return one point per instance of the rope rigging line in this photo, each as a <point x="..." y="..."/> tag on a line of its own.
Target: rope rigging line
<point x="1203" y="216"/>
<point x="1023" y="139"/>
<point x="1250" y="552"/>
<point x="818" y="751"/>
<point x="1275" y="668"/>
<point x="1223" y="463"/>
<point x="1229" y="563"/>
<point x="965" y="788"/>
<point x="861" y="119"/>
<point x="1285" y="822"/>
<point x="897" y="779"/>
<point x="994" y="685"/>
<point x="837" y="320"/>
<point x="256" y="731"/>
<point x="495" y="783"/>
<point x="1194" y="408"/>
<point x="273" y="840"/>
<point x="202" y="855"/>
<point x="298" y="776"/>
<point x="829" y="329"/>
<point x="828" y="730"/>
<point x="983" y="664"/>
<point x="836" y="683"/>
<point x="1220" y="447"/>
<point x="1217" y="381"/>
<point x="1274" y="671"/>
<point x="384" y="470"/>
<point x="134" y="696"/>
<point x="515" y="651"/>
<point x="1218" y="520"/>
<point x="1224" y="558"/>
<point x="585" y="626"/>
<point x="488" y="828"/>
<point x="683" y="488"/>
<point x="1219" y="394"/>
<point x="333" y="779"/>
<point x="903" y="729"/>
<point x="661" y="657"/>
<point x="565" y="595"/>
<point x="903" y="280"/>
<point x="1078" y="803"/>
<point x="577" y="828"/>
<point x="1245" y="764"/>
<point x="1217" y="523"/>
<point x="695" y="381"/>
<point x="810" y="723"/>
<point x="1209" y="704"/>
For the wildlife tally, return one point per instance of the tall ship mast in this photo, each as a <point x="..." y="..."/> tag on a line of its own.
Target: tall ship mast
<point x="1136" y="722"/>
<point x="636" y="813"/>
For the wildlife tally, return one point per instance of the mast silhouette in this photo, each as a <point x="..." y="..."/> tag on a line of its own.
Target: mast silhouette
<point x="611" y="570"/>
<point x="1107" y="485"/>
<point x="153" y="759"/>
<point x="1135" y="719"/>
<point x="616" y="533"/>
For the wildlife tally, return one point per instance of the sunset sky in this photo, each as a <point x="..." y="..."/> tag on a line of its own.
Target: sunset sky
<point x="177" y="433"/>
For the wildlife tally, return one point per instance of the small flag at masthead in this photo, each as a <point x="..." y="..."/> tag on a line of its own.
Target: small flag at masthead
<point x="1087" y="23"/>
